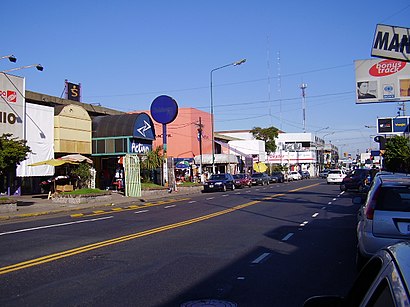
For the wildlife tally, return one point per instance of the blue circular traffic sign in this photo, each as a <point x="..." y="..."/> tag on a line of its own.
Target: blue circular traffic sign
<point x="164" y="109"/>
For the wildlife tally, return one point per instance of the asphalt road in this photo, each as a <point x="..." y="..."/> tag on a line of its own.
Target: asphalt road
<point x="265" y="246"/>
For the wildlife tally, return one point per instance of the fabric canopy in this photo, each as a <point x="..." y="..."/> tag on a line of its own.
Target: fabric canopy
<point x="259" y="167"/>
<point x="76" y="158"/>
<point x="53" y="162"/>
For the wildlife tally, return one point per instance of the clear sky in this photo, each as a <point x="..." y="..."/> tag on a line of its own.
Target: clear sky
<point x="126" y="53"/>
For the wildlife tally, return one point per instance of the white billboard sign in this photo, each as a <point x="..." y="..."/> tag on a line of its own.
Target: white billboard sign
<point x="380" y="80"/>
<point x="392" y="43"/>
<point x="12" y="89"/>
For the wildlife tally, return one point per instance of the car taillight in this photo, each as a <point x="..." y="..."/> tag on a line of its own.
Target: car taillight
<point x="371" y="205"/>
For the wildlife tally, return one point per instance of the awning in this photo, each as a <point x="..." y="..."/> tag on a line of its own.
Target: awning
<point x="53" y="162"/>
<point x="219" y="159"/>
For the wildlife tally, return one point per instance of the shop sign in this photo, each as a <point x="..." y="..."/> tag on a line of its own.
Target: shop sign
<point x="392" y="43"/>
<point x="139" y="148"/>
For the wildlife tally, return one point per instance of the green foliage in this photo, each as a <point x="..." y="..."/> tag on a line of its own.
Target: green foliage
<point x="268" y="135"/>
<point x="150" y="162"/>
<point x="12" y="152"/>
<point x="397" y="155"/>
<point x="82" y="171"/>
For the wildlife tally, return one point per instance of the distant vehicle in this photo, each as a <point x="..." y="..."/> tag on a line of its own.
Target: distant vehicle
<point x="383" y="281"/>
<point x="384" y="217"/>
<point x="304" y="174"/>
<point x="335" y="176"/>
<point x="277" y="177"/>
<point x="356" y="180"/>
<point x="294" y="175"/>
<point x="260" y="179"/>
<point x="323" y="174"/>
<point x="219" y="182"/>
<point x="242" y="180"/>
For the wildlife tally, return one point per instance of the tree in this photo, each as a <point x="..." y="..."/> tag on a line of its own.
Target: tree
<point x="151" y="161"/>
<point x="83" y="173"/>
<point x="268" y="135"/>
<point x="12" y="152"/>
<point x="397" y="154"/>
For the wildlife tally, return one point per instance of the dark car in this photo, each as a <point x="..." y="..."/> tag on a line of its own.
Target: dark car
<point x="304" y="174"/>
<point x="277" y="177"/>
<point x="355" y="180"/>
<point x="219" y="182"/>
<point x="242" y="180"/>
<point x="260" y="179"/>
<point x="383" y="281"/>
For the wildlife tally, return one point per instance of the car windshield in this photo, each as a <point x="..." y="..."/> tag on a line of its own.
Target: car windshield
<point x="335" y="172"/>
<point x="257" y="175"/>
<point x="217" y="177"/>
<point x="394" y="199"/>
<point x="237" y="176"/>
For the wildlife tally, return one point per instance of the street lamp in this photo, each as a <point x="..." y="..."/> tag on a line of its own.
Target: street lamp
<point x="38" y="66"/>
<point x="11" y="58"/>
<point x="212" y="108"/>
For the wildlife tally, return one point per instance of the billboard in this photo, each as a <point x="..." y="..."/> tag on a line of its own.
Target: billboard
<point x="393" y="125"/>
<point x="382" y="81"/>
<point x="12" y="117"/>
<point x="392" y="43"/>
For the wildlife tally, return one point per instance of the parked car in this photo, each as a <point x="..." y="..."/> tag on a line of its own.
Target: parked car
<point x="304" y="174"/>
<point x="335" y="176"/>
<point x="323" y="174"/>
<point x="356" y="180"/>
<point x="277" y="177"/>
<point x="242" y="180"/>
<point x="383" y="281"/>
<point x="294" y="175"/>
<point x="384" y="217"/>
<point x="219" y="182"/>
<point x="260" y="179"/>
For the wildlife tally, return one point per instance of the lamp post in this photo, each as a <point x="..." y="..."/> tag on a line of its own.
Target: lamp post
<point x="11" y="58"/>
<point x="212" y="108"/>
<point x="38" y="66"/>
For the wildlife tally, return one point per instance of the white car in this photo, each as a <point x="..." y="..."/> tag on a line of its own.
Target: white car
<point x="335" y="176"/>
<point x="294" y="176"/>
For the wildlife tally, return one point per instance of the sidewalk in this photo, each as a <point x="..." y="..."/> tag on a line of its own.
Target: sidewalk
<point x="37" y="205"/>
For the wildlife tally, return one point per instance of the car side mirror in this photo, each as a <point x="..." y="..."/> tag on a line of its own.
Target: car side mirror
<point x="323" y="301"/>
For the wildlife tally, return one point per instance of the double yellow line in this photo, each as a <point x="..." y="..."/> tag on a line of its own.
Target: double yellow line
<point x="90" y="247"/>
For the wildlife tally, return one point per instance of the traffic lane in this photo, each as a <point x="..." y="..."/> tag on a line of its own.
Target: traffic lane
<point x="37" y="238"/>
<point x="169" y="263"/>
<point x="291" y="262"/>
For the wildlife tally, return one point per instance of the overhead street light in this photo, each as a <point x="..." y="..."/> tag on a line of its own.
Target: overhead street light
<point x="11" y="58"/>
<point x="212" y="108"/>
<point x="38" y="66"/>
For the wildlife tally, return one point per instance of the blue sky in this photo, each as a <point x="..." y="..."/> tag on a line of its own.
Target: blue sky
<point x="126" y="53"/>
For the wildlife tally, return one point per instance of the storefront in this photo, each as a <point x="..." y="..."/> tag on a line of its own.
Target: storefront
<point x="114" y="136"/>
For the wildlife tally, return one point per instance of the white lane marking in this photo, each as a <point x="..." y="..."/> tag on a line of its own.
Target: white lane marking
<point x="248" y="191"/>
<point x="141" y="211"/>
<point x="304" y="223"/>
<point x="324" y="207"/>
<point x="54" y="225"/>
<point x="287" y="237"/>
<point x="192" y="201"/>
<point x="238" y="193"/>
<point x="240" y="278"/>
<point x="170" y="206"/>
<point x="225" y="195"/>
<point x="329" y="203"/>
<point x="334" y="199"/>
<point x="261" y="258"/>
<point x="315" y="215"/>
<point x="210" y="198"/>
<point x="341" y="193"/>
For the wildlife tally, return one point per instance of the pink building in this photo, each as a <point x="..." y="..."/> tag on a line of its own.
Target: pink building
<point x="182" y="140"/>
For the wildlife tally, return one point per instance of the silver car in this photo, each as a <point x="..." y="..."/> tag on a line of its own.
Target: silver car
<point x="383" y="281"/>
<point x="384" y="217"/>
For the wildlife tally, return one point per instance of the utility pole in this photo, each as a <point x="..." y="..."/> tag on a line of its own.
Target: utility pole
<point x="303" y="87"/>
<point x="200" y="126"/>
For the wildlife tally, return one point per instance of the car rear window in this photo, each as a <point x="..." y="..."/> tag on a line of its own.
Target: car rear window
<point x="394" y="199"/>
<point x="335" y="172"/>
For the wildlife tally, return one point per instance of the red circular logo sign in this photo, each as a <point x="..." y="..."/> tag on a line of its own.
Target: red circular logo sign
<point x="386" y="68"/>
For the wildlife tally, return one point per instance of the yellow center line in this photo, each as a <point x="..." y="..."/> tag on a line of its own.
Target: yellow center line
<point x="97" y="245"/>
